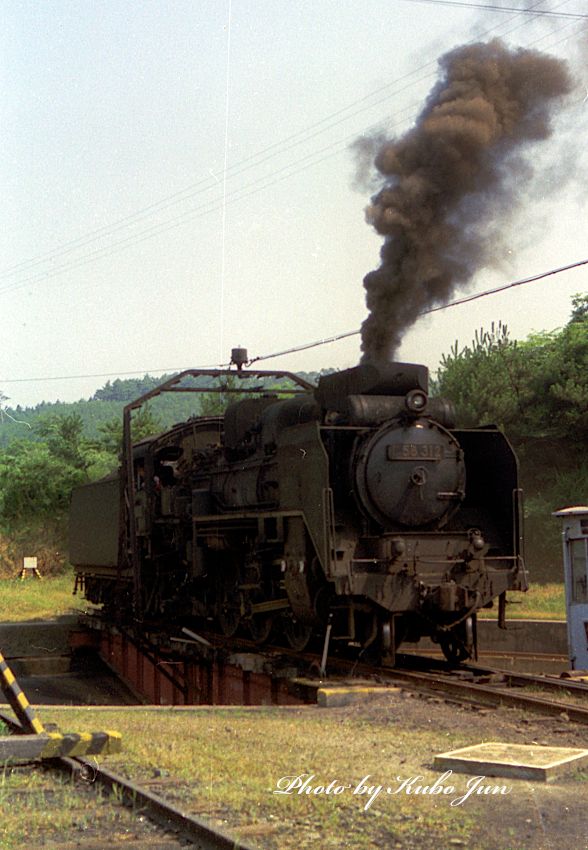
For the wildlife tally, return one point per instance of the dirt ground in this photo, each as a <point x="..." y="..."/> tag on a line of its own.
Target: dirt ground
<point x="532" y="816"/>
<point x="394" y="738"/>
<point x="225" y="764"/>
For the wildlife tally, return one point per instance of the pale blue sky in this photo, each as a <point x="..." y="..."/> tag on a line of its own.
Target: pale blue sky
<point x="110" y="108"/>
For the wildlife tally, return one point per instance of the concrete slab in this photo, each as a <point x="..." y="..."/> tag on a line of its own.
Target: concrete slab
<point x="336" y="697"/>
<point x="37" y="637"/>
<point x="93" y="688"/>
<point x="544" y="637"/>
<point x="517" y="761"/>
<point x="44" y="665"/>
<point x="531" y="636"/>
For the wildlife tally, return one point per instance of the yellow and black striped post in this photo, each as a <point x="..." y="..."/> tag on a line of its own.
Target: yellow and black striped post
<point x="55" y="745"/>
<point x="40" y="744"/>
<point x="18" y="701"/>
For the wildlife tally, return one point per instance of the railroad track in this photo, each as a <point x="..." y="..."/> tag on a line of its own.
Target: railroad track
<point x="472" y="683"/>
<point x="483" y="685"/>
<point x="494" y="694"/>
<point x="182" y="829"/>
<point x="479" y="683"/>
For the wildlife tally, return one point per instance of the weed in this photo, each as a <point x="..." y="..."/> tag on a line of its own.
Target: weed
<point x="38" y="598"/>
<point x="540" y="602"/>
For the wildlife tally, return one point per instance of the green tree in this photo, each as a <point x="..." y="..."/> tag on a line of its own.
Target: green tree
<point x="560" y="388"/>
<point x="37" y="476"/>
<point x="35" y="484"/>
<point x="223" y="392"/>
<point x="533" y="389"/>
<point x="537" y="392"/>
<point x="128" y="389"/>
<point x="484" y="379"/>
<point x="580" y="308"/>
<point x="64" y="438"/>
<point x="144" y="424"/>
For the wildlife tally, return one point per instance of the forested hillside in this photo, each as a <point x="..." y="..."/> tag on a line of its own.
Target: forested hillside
<point x="106" y="404"/>
<point x="537" y="391"/>
<point x="47" y="450"/>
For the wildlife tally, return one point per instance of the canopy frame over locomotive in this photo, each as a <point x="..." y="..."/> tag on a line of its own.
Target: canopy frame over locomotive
<point x="129" y="550"/>
<point x="353" y="508"/>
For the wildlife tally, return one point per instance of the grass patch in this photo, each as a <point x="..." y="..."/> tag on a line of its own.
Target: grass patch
<point x="225" y="766"/>
<point x="52" y="596"/>
<point x="38" y="807"/>
<point x="540" y="602"/>
<point x="38" y="598"/>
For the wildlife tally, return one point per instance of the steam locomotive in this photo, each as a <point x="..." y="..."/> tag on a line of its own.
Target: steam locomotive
<point x="354" y="508"/>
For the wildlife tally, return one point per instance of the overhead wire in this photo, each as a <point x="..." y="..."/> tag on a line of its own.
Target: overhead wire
<point x="305" y="346"/>
<point x="466" y="299"/>
<point x="243" y="165"/>
<point x="205" y="208"/>
<point x="189" y="191"/>
<point x="231" y="197"/>
<point x="492" y="7"/>
<point x="158" y="371"/>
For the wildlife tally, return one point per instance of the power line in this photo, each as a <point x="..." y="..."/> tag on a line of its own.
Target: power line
<point x="167" y="370"/>
<point x="234" y="196"/>
<point x="490" y="7"/>
<point x="183" y="218"/>
<point x="205" y="185"/>
<point x="459" y="301"/>
<point x="201" y="186"/>
<point x="307" y="345"/>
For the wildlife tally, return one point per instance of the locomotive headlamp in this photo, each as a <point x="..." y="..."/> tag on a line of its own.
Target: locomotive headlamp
<point x="397" y="547"/>
<point x="416" y="401"/>
<point x="476" y="539"/>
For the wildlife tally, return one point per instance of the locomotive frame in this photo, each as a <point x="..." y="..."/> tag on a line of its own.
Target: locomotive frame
<point x="354" y="509"/>
<point x="129" y="548"/>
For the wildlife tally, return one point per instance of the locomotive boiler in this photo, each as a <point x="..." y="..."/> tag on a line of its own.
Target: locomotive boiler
<point x="354" y="506"/>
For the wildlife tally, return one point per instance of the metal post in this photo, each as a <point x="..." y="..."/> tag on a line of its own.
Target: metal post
<point x="129" y="478"/>
<point x="18" y="701"/>
<point x="323" y="668"/>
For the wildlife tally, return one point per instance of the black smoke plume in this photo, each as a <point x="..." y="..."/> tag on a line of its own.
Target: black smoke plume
<point x="451" y="177"/>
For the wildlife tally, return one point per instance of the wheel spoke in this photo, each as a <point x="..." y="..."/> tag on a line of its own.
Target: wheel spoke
<point x="229" y="614"/>
<point x="298" y="634"/>
<point x="260" y="626"/>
